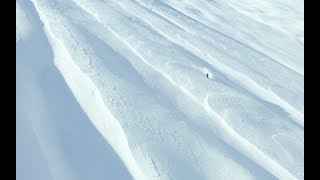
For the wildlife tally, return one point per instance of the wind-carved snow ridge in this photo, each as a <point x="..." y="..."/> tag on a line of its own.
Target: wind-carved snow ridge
<point x="186" y="89"/>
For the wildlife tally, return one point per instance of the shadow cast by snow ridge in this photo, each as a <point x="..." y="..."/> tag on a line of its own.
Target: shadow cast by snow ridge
<point x="66" y="136"/>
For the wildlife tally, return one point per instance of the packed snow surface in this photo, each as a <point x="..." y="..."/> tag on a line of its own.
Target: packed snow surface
<point x="160" y="89"/>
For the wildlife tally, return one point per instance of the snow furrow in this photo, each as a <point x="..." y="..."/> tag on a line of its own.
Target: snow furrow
<point x="261" y="44"/>
<point x="238" y="77"/>
<point x="183" y="39"/>
<point x="180" y="89"/>
<point x="229" y="135"/>
<point x="232" y="137"/>
<point x="71" y="74"/>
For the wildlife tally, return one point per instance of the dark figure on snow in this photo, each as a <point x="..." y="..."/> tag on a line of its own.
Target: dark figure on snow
<point x="208" y="75"/>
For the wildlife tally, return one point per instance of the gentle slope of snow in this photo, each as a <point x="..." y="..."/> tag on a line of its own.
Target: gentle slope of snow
<point x="119" y="88"/>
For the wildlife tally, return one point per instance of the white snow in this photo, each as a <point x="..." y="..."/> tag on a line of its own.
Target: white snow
<point x="118" y="89"/>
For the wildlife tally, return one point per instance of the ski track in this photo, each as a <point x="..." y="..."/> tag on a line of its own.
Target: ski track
<point x="165" y="40"/>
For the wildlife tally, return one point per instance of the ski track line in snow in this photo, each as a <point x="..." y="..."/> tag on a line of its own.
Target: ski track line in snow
<point x="232" y="74"/>
<point x="120" y="144"/>
<point x="251" y="46"/>
<point x="228" y="134"/>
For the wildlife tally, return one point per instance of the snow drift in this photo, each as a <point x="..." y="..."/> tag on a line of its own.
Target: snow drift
<point x="167" y="89"/>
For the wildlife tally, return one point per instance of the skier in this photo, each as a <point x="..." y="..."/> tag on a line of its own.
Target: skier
<point x="208" y="75"/>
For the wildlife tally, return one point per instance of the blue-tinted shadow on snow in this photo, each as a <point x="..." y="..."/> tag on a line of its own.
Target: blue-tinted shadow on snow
<point x="62" y="125"/>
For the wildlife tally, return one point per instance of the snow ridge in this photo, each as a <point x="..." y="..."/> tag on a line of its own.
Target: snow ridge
<point x="138" y="70"/>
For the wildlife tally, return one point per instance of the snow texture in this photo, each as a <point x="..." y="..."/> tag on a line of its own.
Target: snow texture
<point x="160" y="89"/>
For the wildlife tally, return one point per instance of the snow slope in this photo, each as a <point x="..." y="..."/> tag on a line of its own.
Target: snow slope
<point x="117" y="89"/>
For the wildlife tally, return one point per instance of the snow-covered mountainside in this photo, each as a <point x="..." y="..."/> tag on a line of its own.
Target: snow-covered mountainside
<point x="160" y="89"/>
